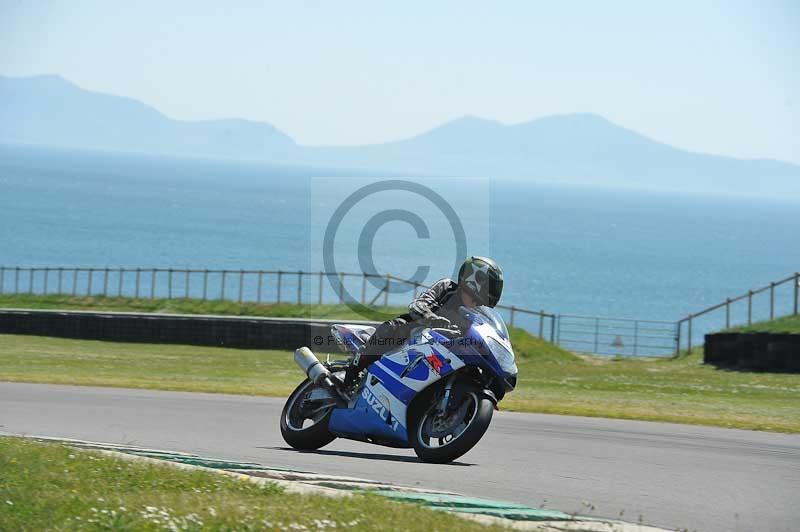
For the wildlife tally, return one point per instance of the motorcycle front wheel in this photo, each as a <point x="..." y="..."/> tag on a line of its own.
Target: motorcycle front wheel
<point x="441" y="438"/>
<point x="304" y="420"/>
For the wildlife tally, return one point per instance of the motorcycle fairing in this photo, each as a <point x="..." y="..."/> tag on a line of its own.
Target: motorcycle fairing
<point x="380" y="412"/>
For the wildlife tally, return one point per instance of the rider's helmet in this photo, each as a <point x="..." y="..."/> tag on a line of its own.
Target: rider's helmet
<point x="482" y="278"/>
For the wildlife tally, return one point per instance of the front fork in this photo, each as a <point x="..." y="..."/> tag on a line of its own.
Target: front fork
<point x="448" y="388"/>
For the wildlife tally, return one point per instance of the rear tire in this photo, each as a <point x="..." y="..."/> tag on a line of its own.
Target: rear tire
<point x="478" y="416"/>
<point x="293" y="428"/>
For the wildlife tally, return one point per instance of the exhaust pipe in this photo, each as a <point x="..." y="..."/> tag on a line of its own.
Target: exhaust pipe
<point x="312" y="367"/>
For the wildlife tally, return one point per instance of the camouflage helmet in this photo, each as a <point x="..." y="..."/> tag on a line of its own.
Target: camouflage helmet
<point x="481" y="278"/>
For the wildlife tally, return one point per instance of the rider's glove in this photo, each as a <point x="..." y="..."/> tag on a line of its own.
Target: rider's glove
<point x="438" y="322"/>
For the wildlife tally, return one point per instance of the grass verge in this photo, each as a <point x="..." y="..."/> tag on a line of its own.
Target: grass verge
<point x="551" y="380"/>
<point x="185" y="306"/>
<point x="788" y="324"/>
<point x="56" y="487"/>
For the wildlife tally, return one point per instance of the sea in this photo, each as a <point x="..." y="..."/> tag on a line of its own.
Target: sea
<point x="565" y="249"/>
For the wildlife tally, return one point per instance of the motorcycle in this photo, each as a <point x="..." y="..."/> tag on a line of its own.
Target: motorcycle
<point x="436" y="393"/>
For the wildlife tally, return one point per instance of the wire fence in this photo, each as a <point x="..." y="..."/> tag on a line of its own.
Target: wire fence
<point x="588" y="334"/>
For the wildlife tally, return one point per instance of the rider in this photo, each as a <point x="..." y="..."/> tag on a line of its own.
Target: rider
<point x="480" y="282"/>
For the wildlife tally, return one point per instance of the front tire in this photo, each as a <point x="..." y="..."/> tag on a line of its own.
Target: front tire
<point x="441" y="441"/>
<point x="304" y="425"/>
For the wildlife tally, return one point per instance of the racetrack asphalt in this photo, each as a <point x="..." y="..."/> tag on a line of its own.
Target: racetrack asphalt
<point x="674" y="476"/>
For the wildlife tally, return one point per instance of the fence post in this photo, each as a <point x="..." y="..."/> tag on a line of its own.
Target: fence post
<point x="153" y="283"/>
<point x="60" y="282"/>
<point x="557" y="317"/>
<point x="300" y="287"/>
<point x="541" y="323"/>
<point x="75" y="281"/>
<point x="31" y="271"/>
<point x="260" y="284"/>
<point x="205" y="284"/>
<point x="386" y="293"/>
<point x="772" y="300"/>
<point x="138" y="276"/>
<point x="16" y="280"/>
<point x="552" y="328"/>
<point x="364" y="288"/>
<point x="46" y="275"/>
<point x="341" y="288"/>
<point x="596" y="334"/>
<point x="796" y="292"/>
<point x="689" y="331"/>
<point x="2" y="278"/>
<point x="635" y="337"/>
<point x="513" y="310"/>
<point x="241" y="284"/>
<point x="319" y="301"/>
<point x="678" y="338"/>
<point x="169" y="284"/>
<point x="222" y="286"/>
<point x="105" y="282"/>
<point x="121" y="277"/>
<point x="728" y="313"/>
<point x="89" y="284"/>
<point x="280" y="278"/>
<point x="749" y="307"/>
<point x="186" y="285"/>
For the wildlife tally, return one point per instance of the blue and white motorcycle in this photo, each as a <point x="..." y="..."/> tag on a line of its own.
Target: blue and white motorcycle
<point x="435" y="393"/>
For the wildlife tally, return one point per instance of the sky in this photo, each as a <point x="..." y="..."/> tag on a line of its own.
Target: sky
<point x="715" y="77"/>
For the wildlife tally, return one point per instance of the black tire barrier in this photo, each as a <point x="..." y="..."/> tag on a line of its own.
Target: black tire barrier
<point x="753" y="351"/>
<point x="220" y="331"/>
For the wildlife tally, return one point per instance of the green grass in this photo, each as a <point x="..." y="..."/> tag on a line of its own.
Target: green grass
<point x="186" y="306"/>
<point x="551" y="380"/>
<point x="788" y="324"/>
<point x="55" y="487"/>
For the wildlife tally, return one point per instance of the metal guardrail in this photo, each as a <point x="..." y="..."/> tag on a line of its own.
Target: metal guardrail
<point x="589" y="334"/>
<point x="728" y="306"/>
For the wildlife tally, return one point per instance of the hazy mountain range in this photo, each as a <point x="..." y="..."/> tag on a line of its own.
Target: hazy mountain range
<point x="576" y="148"/>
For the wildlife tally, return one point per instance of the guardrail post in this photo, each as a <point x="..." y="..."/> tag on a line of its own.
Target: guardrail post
<point x="749" y="307"/>
<point x="205" y="284"/>
<point x="280" y="277"/>
<point x="75" y="281"/>
<point x="319" y="294"/>
<point x="772" y="300"/>
<point x="241" y="284"/>
<point x="364" y="288"/>
<point x="689" y="331"/>
<point x="121" y="277"/>
<point x="260" y="284"/>
<point x="153" y="283"/>
<point x="105" y="282"/>
<point x="89" y="284"/>
<point x="186" y="285"/>
<point x="596" y="334"/>
<point x="796" y="292"/>
<point x="728" y="313"/>
<point x="386" y="293"/>
<point x="138" y="277"/>
<point x="300" y="287"/>
<point x="541" y="323"/>
<point x="222" y="286"/>
<point x="46" y="275"/>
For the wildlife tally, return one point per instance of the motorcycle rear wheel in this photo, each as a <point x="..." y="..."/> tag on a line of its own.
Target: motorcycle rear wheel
<point x="302" y="426"/>
<point x="471" y="420"/>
